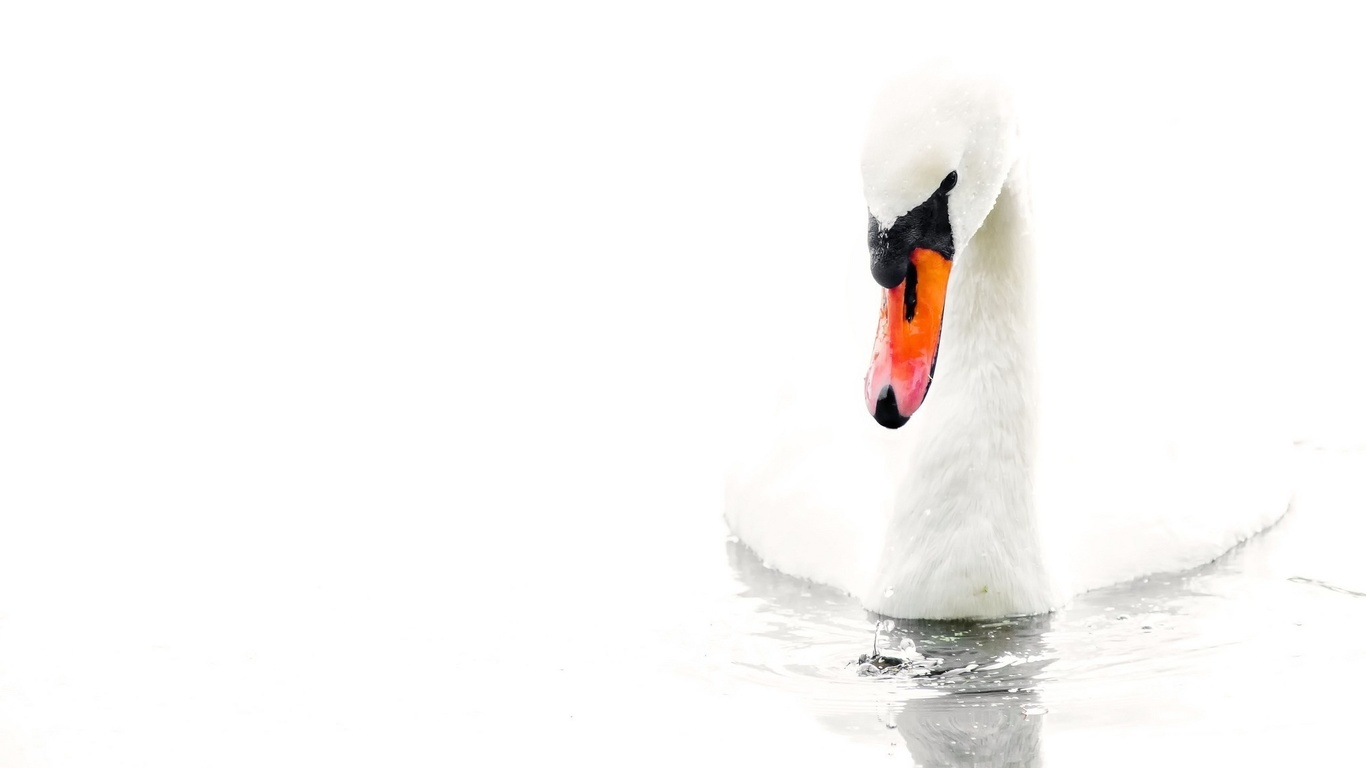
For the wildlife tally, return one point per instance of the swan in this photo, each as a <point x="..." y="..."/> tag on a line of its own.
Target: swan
<point x="978" y="488"/>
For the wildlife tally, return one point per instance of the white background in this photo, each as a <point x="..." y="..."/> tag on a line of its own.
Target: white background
<point x="363" y="366"/>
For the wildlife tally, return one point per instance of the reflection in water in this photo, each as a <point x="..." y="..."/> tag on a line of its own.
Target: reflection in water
<point x="989" y="713"/>
<point x="972" y="729"/>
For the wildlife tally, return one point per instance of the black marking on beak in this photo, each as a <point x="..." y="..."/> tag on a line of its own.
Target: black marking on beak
<point x="908" y="296"/>
<point x="886" y="412"/>
<point x="925" y="226"/>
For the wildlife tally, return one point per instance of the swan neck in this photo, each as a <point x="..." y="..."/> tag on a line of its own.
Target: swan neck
<point x="963" y="538"/>
<point x="990" y="323"/>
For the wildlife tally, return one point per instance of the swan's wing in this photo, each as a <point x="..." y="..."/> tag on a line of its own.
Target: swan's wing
<point x="1128" y="491"/>
<point x="1177" y="505"/>
<point x="808" y="487"/>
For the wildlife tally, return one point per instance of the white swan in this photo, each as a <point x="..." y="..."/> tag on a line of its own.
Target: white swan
<point x="998" y="497"/>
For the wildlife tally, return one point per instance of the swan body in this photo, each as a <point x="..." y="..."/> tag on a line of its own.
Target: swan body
<point x="1003" y="494"/>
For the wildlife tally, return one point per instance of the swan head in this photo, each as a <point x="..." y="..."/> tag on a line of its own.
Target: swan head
<point x="939" y="146"/>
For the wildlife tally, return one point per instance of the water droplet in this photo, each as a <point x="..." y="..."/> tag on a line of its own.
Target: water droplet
<point x="1012" y="690"/>
<point x="927" y="512"/>
<point x="1034" y="709"/>
<point x="888" y="592"/>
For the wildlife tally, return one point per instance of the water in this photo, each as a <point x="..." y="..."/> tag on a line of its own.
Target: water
<point x="1250" y="657"/>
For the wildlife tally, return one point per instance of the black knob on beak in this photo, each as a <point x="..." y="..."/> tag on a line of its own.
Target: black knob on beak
<point x="889" y="255"/>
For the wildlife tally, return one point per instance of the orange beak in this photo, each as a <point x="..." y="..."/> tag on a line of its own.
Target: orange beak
<point x="907" y="340"/>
